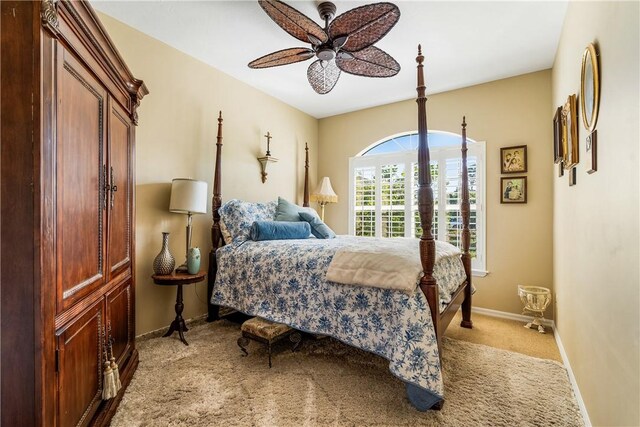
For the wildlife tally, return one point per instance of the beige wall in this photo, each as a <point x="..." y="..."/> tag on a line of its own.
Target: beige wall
<point x="596" y="222"/>
<point x="176" y="138"/>
<point x="508" y="112"/>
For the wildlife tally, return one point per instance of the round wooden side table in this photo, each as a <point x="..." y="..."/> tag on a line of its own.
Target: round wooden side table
<point x="178" y="279"/>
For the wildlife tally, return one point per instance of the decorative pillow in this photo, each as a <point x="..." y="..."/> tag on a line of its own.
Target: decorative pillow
<point x="287" y="211"/>
<point x="225" y="233"/>
<point x="279" y="230"/>
<point x="318" y="228"/>
<point x="238" y="216"/>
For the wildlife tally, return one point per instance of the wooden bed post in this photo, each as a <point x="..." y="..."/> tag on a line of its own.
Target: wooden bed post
<point x="465" y="210"/>
<point x="425" y="205"/>
<point x="305" y="200"/>
<point x="216" y="234"/>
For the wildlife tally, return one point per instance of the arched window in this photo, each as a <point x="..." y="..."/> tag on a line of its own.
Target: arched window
<point x="383" y="199"/>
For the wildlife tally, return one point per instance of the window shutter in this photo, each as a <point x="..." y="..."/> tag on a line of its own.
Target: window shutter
<point x="453" y="232"/>
<point x="392" y="182"/>
<point x="384" y="191"/>
<point x="365" y="201"/>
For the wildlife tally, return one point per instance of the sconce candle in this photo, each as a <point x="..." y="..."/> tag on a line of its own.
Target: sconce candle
<point x="264" y="161"/>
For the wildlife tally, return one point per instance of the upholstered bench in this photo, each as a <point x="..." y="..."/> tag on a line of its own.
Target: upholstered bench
<point x="266" y="332"/>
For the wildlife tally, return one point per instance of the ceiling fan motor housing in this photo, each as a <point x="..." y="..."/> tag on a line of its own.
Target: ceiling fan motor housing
<point x="327" y="10"/>
<point x="326" y="53"/>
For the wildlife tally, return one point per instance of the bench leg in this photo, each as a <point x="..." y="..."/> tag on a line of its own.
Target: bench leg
<point x="269" y="349"/>
<point x="243" y="343"/>
<point x="296" y="339"/>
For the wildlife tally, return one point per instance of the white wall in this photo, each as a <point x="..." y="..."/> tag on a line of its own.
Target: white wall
<point x="595" y="222"/>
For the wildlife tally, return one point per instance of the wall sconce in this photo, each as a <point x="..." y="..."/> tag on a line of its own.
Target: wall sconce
<point x="264" y="161"/>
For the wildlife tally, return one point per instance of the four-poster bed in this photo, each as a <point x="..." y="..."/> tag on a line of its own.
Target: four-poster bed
<point x="285" y="281"/>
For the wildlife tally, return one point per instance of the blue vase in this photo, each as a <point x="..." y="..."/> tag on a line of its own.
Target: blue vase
<point x="193" y="261"/>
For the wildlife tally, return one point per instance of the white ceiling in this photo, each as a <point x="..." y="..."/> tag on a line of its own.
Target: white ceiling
<point x="465" y="43"/>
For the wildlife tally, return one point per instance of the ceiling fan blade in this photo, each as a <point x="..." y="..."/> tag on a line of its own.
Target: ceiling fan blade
<point x="292" y="21"/>
<point x="314" y="40"/>
<point x="344" y="55"/>
<point x="323" y="76"/>
<point x="282" y="57"/>
<point x="339" y="42"/>
<point x="369" y="62"/>
<point x="364" y="25"/>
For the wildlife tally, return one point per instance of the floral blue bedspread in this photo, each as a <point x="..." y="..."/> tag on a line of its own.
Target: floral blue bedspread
<point x="284" y="281"/>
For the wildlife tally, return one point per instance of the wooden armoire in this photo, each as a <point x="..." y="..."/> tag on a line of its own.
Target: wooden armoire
<point x="67" y="264"/>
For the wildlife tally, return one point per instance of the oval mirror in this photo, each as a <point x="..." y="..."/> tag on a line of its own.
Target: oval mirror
<point x="589" y="88"/>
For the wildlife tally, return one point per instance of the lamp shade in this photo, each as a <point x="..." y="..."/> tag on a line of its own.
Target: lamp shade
<point x="188" y="196"/>
<point x="324" y="193"/>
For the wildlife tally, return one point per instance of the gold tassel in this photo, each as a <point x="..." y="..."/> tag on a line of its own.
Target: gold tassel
<point x="109" y="385"/>
<point x="116" y="373"/>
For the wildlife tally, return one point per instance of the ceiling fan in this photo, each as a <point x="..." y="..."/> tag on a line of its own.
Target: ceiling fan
<point x="344" y="44"/>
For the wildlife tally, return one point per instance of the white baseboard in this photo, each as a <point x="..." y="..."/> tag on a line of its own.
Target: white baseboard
<point x="572" y="378"/>
<point x="510" y="316"/>
<point x="563" y="354"/>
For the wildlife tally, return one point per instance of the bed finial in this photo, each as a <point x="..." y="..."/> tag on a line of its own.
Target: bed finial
<point x="216" y="233"/>
<point x="425" y="203"/>
<point x="305" y="196"/>
<point x="465" y="210"/>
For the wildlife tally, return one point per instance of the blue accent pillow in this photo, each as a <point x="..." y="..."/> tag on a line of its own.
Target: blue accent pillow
<point x="287" y="211"/>
<point x="279" y="230"/>
<point x="318" y="228"/>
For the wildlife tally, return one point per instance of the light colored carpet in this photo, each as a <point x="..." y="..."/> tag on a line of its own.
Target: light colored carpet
<point x="327" y="383"/>
<point x="506" y="334"/>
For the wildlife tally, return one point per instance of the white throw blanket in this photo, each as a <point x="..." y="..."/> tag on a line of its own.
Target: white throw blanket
<point x="383" y="263"/>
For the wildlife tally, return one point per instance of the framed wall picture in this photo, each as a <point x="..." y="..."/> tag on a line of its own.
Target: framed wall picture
<point x="592" y="154"/>
<point x="560" y="169"/>
<point x="513" y="189"/>
<point x="558" y="152"/>
<point x="513" y="159"/>
<point x="572" y="176"/>
<point x="570" y="133"/>
<point x="590" y="87"/>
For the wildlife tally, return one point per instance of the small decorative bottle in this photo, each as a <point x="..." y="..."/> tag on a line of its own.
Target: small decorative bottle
<point x="193" y="261"/>
<point x="164" y="262"/>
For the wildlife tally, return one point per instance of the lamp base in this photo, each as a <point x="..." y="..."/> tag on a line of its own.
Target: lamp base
<point x="182" y="268"/>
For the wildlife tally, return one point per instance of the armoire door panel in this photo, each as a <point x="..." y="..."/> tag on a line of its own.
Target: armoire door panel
<point x="121" y="182"/>
<point x="120" y="320"/>
<point x="80" y="367"/>
<point x="80" y="171"/>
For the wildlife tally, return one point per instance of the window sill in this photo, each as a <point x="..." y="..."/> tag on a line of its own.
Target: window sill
<point x="478" y="273"/>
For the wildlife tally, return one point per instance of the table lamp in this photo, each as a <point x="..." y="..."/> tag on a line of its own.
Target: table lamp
<point x="189" y="197"/>
<point x="324" y="194"/>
